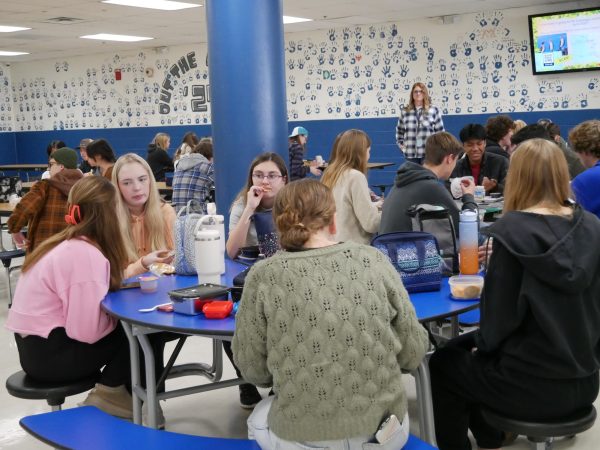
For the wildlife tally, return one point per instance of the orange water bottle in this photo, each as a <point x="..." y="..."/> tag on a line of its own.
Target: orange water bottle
<point x="469" y="243"/>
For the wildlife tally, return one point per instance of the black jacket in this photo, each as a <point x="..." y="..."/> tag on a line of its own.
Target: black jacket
<point x="492" y="166"/>
<point x="540" y="309"/>
<point x="494" y="147"/>
<point x="415" y="185"/>
<point x="159" y="162"/>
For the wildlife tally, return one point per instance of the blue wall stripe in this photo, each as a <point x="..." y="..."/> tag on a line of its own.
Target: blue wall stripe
<point x="30" y="147"/>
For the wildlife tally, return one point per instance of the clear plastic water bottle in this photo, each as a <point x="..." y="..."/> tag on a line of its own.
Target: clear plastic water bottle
<point x="469" y="243"/>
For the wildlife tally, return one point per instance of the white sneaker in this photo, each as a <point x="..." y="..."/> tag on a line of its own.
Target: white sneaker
<point x="160" y="419"/>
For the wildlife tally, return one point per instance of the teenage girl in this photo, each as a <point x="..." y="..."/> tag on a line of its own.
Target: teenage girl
<point x="62" y="334"/>
<point x="358" y="216"/>
<point x="267" y="175"/>
<point x="145" y="220"/>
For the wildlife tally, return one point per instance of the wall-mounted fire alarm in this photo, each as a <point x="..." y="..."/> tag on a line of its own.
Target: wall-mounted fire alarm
<point x="118" y="74"/>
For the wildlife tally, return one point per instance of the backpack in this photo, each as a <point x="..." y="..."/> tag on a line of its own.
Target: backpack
<point x="437" y="220"/>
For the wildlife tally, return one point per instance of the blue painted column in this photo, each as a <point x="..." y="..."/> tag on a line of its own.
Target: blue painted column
<point x="247" y="88"/>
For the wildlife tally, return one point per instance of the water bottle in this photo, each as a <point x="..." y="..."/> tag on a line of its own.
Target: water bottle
<point x="469" y="243"/>
<point x="214" y="222"/>
<point x="209" y="256"/>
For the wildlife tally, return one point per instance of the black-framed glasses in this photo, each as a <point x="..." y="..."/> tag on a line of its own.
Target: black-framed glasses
<point x="271" y="176"/>
<point x="418" y="91"/>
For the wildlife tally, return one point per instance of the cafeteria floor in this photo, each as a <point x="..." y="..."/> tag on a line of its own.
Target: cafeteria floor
<point x="216" y="413"/>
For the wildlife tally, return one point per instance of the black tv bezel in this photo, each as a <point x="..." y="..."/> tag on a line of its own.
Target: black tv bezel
<point x="532" y="46"/>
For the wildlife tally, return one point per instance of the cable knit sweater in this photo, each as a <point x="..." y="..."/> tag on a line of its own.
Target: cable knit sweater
<point x="330" y="329"/>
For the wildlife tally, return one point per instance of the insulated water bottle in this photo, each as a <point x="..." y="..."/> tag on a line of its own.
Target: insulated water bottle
<point x="469" y="232"/>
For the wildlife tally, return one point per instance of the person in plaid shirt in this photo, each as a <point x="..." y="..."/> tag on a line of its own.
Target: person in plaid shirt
<point x="44" y="207"/>
<point x="417" y="121"/>
<point x="194" y="177"/>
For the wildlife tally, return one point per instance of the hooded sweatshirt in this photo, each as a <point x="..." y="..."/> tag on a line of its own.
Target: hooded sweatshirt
<point x="415" y="185"/>
<point x="193" y="179"/>
<point x="44" y="207"/>
<point x="540" y="308"/>
<point x="159" y="162"/>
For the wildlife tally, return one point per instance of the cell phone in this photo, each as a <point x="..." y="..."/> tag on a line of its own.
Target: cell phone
<point x="131" y="285"/>
<point x="387" y="429"/>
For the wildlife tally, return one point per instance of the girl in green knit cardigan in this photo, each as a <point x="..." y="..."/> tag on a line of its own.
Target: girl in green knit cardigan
<point x="329" y="326"/>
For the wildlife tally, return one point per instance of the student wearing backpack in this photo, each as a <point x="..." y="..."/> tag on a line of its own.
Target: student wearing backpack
<point x="416" y="184"/>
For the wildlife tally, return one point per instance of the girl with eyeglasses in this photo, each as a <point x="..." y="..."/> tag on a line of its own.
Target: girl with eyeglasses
<point x="418" y="120"/>
<point x="267" y="175"/>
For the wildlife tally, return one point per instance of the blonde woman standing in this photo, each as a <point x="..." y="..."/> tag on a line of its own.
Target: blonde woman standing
<point x="145" y="220"/>
<point x="358" y="217"/>
<point x="418" y="120"/>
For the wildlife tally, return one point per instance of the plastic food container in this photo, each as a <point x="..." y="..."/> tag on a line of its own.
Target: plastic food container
<point x="191" y="300"/>
<point x="466" y="287"/>
<point x="148" y="284"/>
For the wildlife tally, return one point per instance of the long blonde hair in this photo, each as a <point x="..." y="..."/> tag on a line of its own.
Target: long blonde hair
<point x="426" y="97"/>
<point x="349" y="153"/>
<point x="160" y="140"/>
<point x="154" y="224"/>
<point x="538" y="175"/>
<point x="96" y="221"/>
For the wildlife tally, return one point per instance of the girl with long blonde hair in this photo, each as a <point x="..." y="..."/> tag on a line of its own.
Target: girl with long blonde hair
<point x="358" y="216"/>
<point x="158" y="158"/>
<point x="145" y="220"/>
<point x="536" y="351"/>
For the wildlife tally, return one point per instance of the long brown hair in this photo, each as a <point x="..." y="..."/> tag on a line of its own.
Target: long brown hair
<point x="301" y="209"/>
<point x="349" y="153"/>
<point x="426" y="97"/>
<point x="98" y="223"/>
<point x="538" y="175"/>
<point x="263" y="157"/>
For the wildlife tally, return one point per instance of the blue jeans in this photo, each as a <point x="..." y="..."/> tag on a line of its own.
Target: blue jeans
<point x="258" y="429"/>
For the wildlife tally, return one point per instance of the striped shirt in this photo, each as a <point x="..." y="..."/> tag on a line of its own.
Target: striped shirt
<point x="414" y="127"/>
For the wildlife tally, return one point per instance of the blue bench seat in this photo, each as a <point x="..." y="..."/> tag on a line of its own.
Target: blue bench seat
<point x="91" y="429"/>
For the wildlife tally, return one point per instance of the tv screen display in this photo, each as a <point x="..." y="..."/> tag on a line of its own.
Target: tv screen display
<point x="566" y="41"/>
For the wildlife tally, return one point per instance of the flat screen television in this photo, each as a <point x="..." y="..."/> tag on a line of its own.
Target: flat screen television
<point x="565" y="41"/>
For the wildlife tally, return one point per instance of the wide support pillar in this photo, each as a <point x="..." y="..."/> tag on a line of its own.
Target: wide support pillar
<point x="247" y="88"/>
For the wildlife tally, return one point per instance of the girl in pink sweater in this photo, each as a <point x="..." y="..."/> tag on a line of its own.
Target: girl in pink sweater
<point x="62" y="334"/>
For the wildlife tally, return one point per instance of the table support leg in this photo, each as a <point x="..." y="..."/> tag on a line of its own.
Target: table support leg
<point x="150" y="380"/>
<point x="425" y="402"/>
<point x="135" y="372"/>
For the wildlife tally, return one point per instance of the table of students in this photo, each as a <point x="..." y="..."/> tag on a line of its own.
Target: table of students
<point x="125" y="305"/>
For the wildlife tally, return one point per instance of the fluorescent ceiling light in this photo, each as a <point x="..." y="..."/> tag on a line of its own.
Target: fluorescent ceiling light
<point x="290" y="19"/>
<point x="165" y="5"/>
<point x="9" y="29"/>
<point x="116" y="37"/>
<point x="5" y="53"/>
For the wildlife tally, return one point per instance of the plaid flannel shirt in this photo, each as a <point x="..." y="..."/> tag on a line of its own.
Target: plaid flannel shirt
<point x="413" y="129"/>
<point x="193" y="183"/>
<point x="43" y="209"/>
